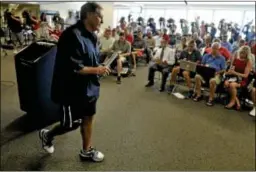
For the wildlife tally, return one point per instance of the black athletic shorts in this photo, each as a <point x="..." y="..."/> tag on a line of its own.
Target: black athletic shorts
<point x="77" y="111"/>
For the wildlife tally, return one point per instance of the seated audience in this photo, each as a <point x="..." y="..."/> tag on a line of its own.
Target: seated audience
<point x="56" y="33"/>
<point x="216" y="61"/>
<point x="165" y="35"/>
<point x="207" y="44"/>
<point x="253" y="50"/>
<point x="183" y="44"/>
<point x="128" y="36"/>
<point x="163" y="61"/>
<point x="225" y="43"/>
<point x="70" y="20"/>
<point x="223" y="51"/>
<point x="158" y="38"/>
<point x="251" y="57"/>
<point x="115" y="34"/>
<point x="139" y="47"/>
<point x="197" y="39"/>
<point x="189" y="54"/>
<point x="124" y="47"/>
<point x="253" y="94"/>
<point x="32" y="22"/>
<point x="106" y="41"/>
<point x="237" y="46"/>
<point x="106" y="44"/>
<point x="44" y="27"/>
<point x="150" y="41"/>
<point x="237" y="75"/>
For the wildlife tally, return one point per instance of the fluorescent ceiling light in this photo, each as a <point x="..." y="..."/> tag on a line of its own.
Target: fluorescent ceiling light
<point x="221" y="3"/>
<point x="150" y="3"/>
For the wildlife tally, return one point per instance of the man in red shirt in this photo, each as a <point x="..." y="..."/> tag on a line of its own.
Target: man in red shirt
<point x="166" y="36"/>
<point x="223" y="51"/>
<point x="128" y="36"/>
<point x="55" y="34"/>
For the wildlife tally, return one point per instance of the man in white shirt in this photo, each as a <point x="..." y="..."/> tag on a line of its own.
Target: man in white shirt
<point x="163" y="61"/>
<point x="115" y="34"/>
<point x="70" y="20"/>
<point x="106" y="43"/>
<point x="158" y="38"/>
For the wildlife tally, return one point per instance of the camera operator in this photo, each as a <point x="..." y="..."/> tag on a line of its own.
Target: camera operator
<point x="184" y="26"/>
<point x="14" y="23"/>
<point x="162" y="22"/>
<point x="171" y="25"/>
<point x="58" y="20"/>
<point x="151" y="23"/>
<point x="202" y="29"/>
<point x="223" y="27"/>
<point x="213" y="31"/>
<point x="193" y="28"/>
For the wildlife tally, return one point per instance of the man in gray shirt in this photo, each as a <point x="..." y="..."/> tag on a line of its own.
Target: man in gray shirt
<point x="124" y="47"/>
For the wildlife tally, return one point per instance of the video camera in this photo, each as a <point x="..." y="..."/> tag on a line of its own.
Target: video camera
<point x="223" y="27"/>
<point x="230" y="26"/>
<point x="171" y="25"/>
<point x="150" y="21"/>
<point x="140" y="21"/>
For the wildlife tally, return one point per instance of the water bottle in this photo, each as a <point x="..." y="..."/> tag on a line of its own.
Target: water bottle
<point x="250" y="86"/>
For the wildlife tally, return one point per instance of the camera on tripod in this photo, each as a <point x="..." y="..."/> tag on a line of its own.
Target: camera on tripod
<point x="171" y="25"/>
<point x="230" y="26"/>
<point x="140" y="21"/>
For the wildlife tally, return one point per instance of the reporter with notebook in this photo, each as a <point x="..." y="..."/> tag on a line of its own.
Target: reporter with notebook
<point x="190" y="54"/>
<point x="217" y="62"/>
<point x="163" y="61"/>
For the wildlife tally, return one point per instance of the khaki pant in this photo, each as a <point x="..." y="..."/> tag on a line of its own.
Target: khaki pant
<point x="217" y="79"/>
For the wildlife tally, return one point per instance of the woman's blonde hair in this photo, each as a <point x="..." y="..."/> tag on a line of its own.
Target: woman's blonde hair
<point x="246" y="49"/>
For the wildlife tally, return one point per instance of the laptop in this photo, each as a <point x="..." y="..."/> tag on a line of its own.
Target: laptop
<point x="206" y="72"/>
<point x="188" y="66"/>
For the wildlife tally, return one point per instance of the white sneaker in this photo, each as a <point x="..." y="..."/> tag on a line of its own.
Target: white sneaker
<point x="252" y="113"/>
<point x="92" y="154"/>
<point x="46" y="142"/>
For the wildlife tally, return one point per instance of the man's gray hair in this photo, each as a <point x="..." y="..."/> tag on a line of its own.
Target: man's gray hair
<point x="87" y="8"/>
<point x="216" y="44"/>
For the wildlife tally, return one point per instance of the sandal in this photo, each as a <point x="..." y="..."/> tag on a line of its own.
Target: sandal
<point x="238" y="107"/>
<point x="198" y="98"/>
<point x="209" y="103"/>
<point x="230" y="107"/>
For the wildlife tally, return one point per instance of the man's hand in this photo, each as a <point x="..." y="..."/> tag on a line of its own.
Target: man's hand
<point x="102" y="70"/>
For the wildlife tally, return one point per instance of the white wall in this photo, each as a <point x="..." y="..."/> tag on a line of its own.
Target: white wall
<point x="64" y="7"/>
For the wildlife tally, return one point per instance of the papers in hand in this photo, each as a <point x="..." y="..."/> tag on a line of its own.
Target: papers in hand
<point x="110" y="60"/>
<point x="178" y="95"/>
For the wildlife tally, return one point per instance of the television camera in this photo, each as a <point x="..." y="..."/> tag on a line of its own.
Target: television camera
<point x="223" y="27"/>
<point x="171" y="25"/>
<point x="151" y="23"/>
